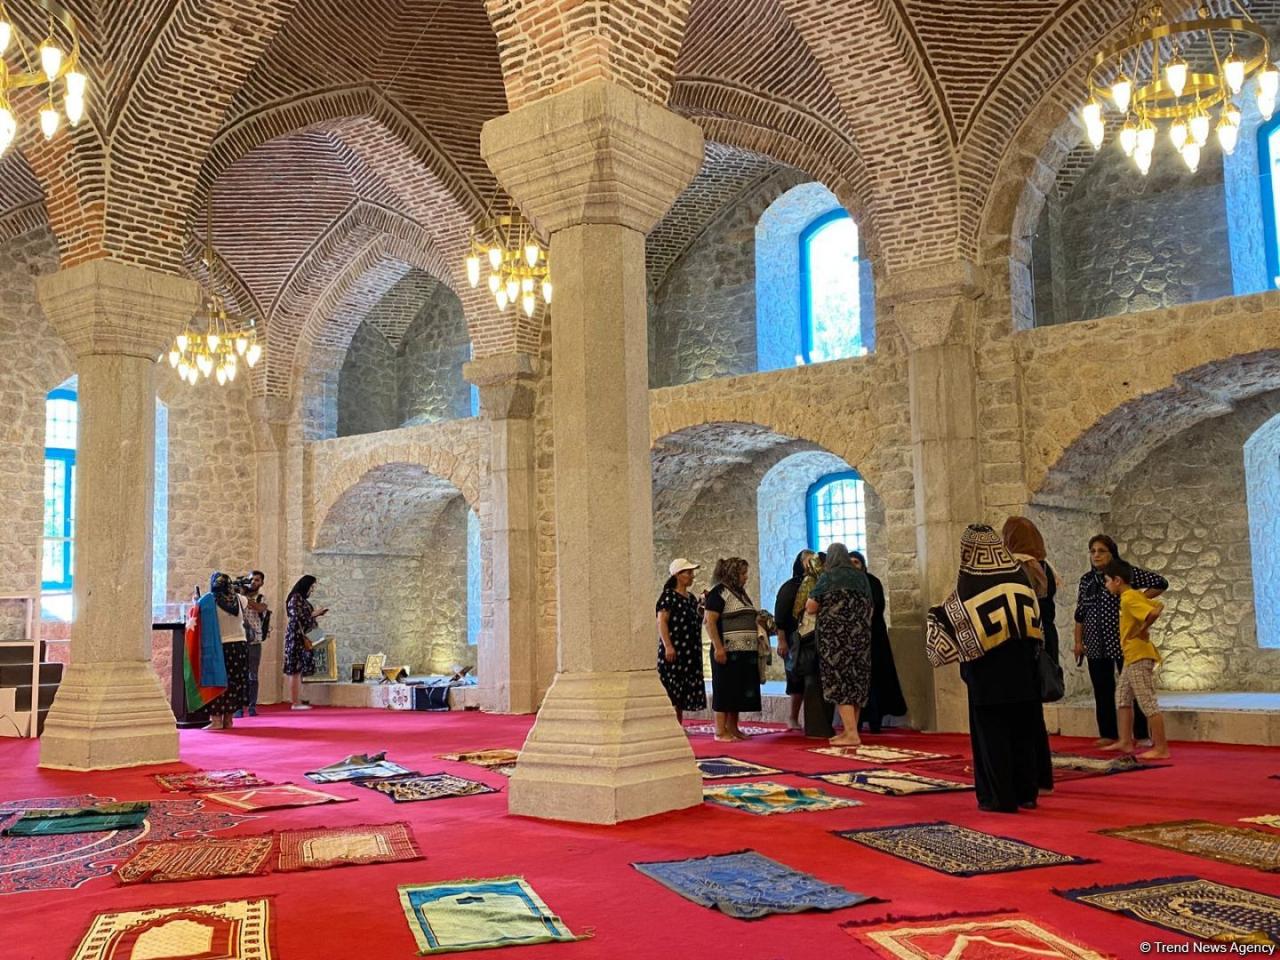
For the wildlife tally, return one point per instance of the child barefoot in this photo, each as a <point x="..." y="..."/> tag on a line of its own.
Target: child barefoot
<point x="1137" y="613"/>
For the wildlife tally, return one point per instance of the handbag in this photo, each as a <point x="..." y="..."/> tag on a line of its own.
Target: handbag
<point x="1052" y="685"/>
<point x="313" y="636"/>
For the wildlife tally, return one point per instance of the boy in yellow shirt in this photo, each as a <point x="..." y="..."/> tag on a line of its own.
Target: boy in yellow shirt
<point x="1137" y="682"/>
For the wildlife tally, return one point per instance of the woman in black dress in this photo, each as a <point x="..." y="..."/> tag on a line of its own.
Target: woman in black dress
<point x="1025" y="542"/>
<point x="885" y="699"/>
<point x="680" y="641"/>
<point x="298" y="658"/>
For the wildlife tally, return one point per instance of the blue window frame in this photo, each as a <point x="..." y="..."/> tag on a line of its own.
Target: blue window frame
<point x="830" y="321"/>
<point x="1269" y="181"/>
<point x="58" y="559"/>
<point x="837" y="512"/>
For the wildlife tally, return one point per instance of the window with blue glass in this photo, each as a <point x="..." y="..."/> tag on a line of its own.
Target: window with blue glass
<point x="1269" y="176"/>
<point x="61" y="415"/>
<point x="837" y="512"/>
<point x="830" y="314"/>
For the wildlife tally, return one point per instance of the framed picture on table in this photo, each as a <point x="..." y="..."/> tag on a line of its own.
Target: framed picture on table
<point x="357" y="673"/>
<point x="325" y="652"/>
<point x="373" y="665"/>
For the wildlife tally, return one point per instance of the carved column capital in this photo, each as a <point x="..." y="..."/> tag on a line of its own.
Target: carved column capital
<point x="933" y="305"/>
<point x="507" y="384"/>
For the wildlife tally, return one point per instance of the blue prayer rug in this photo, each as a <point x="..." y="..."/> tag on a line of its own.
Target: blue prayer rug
<point x="747" y="885"/>
<point x="1190" y="906"/>
<point x="957" y="850"/>
<point x="715" y="768"/>
<point x="479" y="914"/>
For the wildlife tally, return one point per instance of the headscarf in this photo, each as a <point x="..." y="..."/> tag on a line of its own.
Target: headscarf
<point x="802" y="561"/>
<point x="1023" y="540"/>
<point x="220" y="587"/>
<point x="993" y="602"/>
<point x="812" y="571"/>
<point x="841" y="574"/>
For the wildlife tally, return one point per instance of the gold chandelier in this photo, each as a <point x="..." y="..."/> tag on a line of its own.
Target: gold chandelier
<point x="1180" y="72"/>
<point x="56" y="57"/>
<point x="516" y="260"/>
<point x="214" y="341"/>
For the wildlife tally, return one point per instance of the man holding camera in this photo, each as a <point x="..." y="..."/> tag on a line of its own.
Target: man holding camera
<point x="257" y="627"/>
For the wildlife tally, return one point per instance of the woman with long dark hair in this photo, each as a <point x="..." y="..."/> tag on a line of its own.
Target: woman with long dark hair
<point x="298" y="658"/>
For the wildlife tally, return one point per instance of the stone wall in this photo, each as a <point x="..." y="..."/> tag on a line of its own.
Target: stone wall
<point x="367" y="400"/>
<point x="429" y="363"/>
<point x="1262" y="485"/>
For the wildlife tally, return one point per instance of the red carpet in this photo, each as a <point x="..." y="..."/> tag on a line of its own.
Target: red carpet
<point x="584" y="873"/>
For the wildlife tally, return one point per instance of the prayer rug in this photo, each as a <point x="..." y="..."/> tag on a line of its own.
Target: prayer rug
<point x="479" y="914"/>
<point x="957" y="850"/>
<point x="1005" y="937"/>
<point x="232" y="930"/>
<point x="766" y="797"/>
<point x="275" y="797"/>
<point x="58" y="820"/>
<point x="204" y="780"/>
<point x="709" y="729"/>
<point x="1267" y="820"/>
<point x="325" y="847"/>
<point x="507" y="770"/>
<point x="1190" y="906"/>
<point x="894" y="783"/>
<point x="360" y="766"/>
<point x="201" y="859"/>
<point x="434" y="786"/>
<point x="65" y="861"/>
<point x="747" y="885"/>
<point x="1242" y="846"/>
<point x="721" y="767"/>
<point x="876" y="754"/>
<point x="957" y="768"/>
<point x="484" y="758"/>
<point x="1078" y="766"/>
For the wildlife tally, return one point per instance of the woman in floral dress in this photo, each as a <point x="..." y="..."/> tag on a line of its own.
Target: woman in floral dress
<point x="680" y="641"/>
<point x="842" y="600"/>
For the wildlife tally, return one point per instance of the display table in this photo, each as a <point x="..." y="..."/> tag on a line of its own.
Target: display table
<point x="384" y="696"/>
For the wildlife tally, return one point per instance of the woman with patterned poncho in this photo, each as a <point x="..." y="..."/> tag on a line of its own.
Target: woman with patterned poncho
<point x="991" y="626"/>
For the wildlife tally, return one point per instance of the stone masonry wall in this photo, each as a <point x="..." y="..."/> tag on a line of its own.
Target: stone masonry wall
<point x="367" y="399"/>
<point x="429" y="363"/>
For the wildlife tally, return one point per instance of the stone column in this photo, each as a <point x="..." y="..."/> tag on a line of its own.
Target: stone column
<point x="110" y="710"/>
<point x="933" y="308"/>
<point x="508" y="656"/>
<point x="270" y="416"/>
<point x="596" y="166"/>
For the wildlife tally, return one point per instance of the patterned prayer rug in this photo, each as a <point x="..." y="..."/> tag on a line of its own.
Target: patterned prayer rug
<point x="203" y="780"/>
<point x="714" y="768"/>
<point x="1190" y="906"/>
<point x="434" y="786"/>
<point x="1267" y="820"/>
<point x="203" y="858"/>
<point x="876" y="754"/>
<point x="709" y="730"/>
<point x="895" y="783"/>
<point x="1242" y="846"/>
<point x="275" y="797"/>
<point x="1078" y="766"/>
<point x="953" y="768"/>
<point x="233" y="930"/>
<point x="94" y="819"/>
<point x="478" y="914"/>
<point x="995" y="937"/>
<point x="766" y="797"/>
<point x="484" y="758"/>
<point x="66" y="861"/>
<point x="358" y="767"/>
<point x="957" y="850"/>
<point x="747" y="885"/>
<point x="325" y="847"/>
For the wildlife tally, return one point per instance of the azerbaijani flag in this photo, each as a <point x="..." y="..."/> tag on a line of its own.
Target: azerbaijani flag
<point x="203" y="639"/>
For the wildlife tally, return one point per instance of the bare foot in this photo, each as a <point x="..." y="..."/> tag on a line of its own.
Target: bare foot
<point x="846" y="740"/>
<point x="739" y="735"/>
<point x="724" y="739"/>
<point x="1120" y="747"/>
<point x="1103" y="742"/>
<point x="794" y="725"/>
<point x="1155" y="754"/>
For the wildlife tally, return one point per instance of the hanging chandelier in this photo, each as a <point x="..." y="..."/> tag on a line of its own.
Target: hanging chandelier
<point x="27" y="65"/>
<point x="1181" y="72"/>
<point x="214" y="341"/>
<point x="505" y="244"/>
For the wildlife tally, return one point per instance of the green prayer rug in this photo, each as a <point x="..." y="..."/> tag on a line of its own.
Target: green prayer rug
<point x="61" y="820"/>
<point x="479" y="914"/>
<point x="767" y="797"/>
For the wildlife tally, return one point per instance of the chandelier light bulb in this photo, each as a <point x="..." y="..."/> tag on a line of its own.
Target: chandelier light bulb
<point x="222" y="377"/>
<point x="528" y="303"/>
<point x="1199" y="129"/>
<point x="6" y="34"/>
<point x="213" y="340"/>
<point x="502" y="299"/>
<point x="231" y="371"/>
<point x="495" y="257"/>
<point x="546" y="291"/>
<point x="494" y="283"/>
<point x="1092" y="112"/>
<point x="526" y="285"/>
<point x="182" y="369"/>
<point x="8" y="127"/>
<point x="1228" y="135"/>
<point x="75" y="110"/>
<point x="253" y="354"/>
<point x="182" y="342"/>
<point x="513" y="289"/>
<point x="1191" y="155"/>
<point x="1143" y="159"/>
<point x="531" y="254"/>
<point x="193" y="376"/>
<point x="1178" y="133"/>
<point x="1266" y="107"/>
<point x="1269" y="82"/>
<point x="174" y="357"/>
<point x="242" y="344"/>
<point x="48" y="122"/>
<point x="1233" y="72"/>
<point x="1175" y="75"/>
<point x="1097" y="133"/>
<point x="1146" y="137"/>
<point x="1121" y="91"/>
<point x="50" y="60"/>
<point x="1128" y="137"/>
<point x="473" y="270"/>
<point x="77" y="84"/>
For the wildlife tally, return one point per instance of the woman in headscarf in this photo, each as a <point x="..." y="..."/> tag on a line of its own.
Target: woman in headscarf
<point x="733" y="625"/>
<point x="229" y="607"/>
<point x="842" y="601"/>
<point x="1097" y="635"/>
<point x="885" y="699"/>
<point x="680" y="640"/>
<point x="990" y="624"/>
<point x="298" y="658"/>
<point x="786" y="614"/>
<point x="1022" y="538"/>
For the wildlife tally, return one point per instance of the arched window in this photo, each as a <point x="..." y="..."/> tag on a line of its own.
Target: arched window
<point x="837" y="512"/>
<point x="830" y="313"/>
<point x="61" y="414"/>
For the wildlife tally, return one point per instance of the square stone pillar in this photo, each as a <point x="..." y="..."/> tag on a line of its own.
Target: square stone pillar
<point x="596" y="167"/>
<point x="933" y="309"/>
<point x="110" y="710"/>
<point x="508" y="656"/>
<point x="270" y="417"/>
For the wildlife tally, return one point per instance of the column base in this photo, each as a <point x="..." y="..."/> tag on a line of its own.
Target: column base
<point x="605" y="748"/>
<point x="108" y="715"/>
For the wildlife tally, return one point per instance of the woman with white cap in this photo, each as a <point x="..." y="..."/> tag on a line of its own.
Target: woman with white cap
<point x="680" y="640"/>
